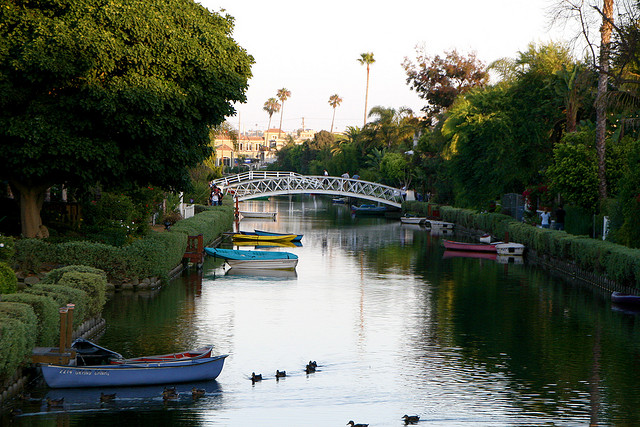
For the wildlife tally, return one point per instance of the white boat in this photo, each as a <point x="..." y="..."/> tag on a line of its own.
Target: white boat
<point x="247" y="214"/>
<point x="255" y="259"/>
<point x="510" y="249"/>
<point x="441" y="224"/>
<point x="486" y="238"/>
<point x="412" y="220"/>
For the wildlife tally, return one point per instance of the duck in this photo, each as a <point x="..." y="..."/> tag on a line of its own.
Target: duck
<point x="310" y="368"/>
<point x="281" y="374"/>
<point x="411" y="419"/>
<point x="314" y="363"/>
<point x="55" y="402"/>
<point x="255" y="378"/>
<point x="107" y="397"/>
<point x="352" y="424"/>
<point x="197" y="392"/>
<point x="169" y="393"/>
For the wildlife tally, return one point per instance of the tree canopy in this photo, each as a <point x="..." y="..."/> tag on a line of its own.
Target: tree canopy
<point x="112" y="92"/>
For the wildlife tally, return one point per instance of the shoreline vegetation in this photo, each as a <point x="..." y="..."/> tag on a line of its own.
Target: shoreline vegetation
<point x="82" y="273"/>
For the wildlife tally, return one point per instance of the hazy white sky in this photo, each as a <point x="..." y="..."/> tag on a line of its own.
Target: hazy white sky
<point x="312" y="48"/>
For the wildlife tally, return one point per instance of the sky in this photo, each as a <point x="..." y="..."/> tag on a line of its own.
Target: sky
<point x="312" y="49"/>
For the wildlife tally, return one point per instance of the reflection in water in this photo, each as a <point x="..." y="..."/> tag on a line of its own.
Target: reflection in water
<point x="395" y="328"/>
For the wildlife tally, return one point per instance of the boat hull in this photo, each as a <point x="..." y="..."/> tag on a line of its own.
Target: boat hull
<point x="135" y="374"/>
<point x="510" y="249"/>
<point x="625" y="299"/>
<point x="412" y="220"/>
<point x="273" y="264"/>
<point x="441" y="224"/>
<point x="270" y="215"/>
<point x="369" y="210"/>
<point x="252" y="237"/>
<point x="473" y="247"/>
<point x="297" y="238"/>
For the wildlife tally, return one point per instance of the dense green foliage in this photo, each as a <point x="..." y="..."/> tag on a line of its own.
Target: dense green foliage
<point x="46" y="311"/>
<point x="16" y="345"/>
<point x="8" y="279"/>
<point x="154" y="255"/>
<point x="23" y="313"/>
<point x="63" y="295"/>
<point x="120" y="93"/>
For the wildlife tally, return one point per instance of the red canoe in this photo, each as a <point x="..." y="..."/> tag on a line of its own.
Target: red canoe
<point x="474" y="247"/>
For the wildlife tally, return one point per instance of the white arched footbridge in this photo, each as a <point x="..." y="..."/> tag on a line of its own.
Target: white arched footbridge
<point x="252" y="184"/>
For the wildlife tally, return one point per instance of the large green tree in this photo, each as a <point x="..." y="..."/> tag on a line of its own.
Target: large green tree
<point x="111" y="92"/>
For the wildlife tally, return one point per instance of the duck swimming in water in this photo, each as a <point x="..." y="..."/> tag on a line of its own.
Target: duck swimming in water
<point x="281" y="374"/>
<point x="352" y="424"/>
<point x="411" y="419"/>
<point x="255" y="378"/>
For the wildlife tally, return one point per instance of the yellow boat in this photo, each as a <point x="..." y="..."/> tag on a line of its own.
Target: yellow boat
<point x="252" y="237"/>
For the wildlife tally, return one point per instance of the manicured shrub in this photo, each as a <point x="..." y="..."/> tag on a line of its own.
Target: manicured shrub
<point x="46" y="311"/>
<point x="15" y="345"/>
<point x="54" y="276"/>
<point x="8" y="279"/>
<point x="94" y="285"/>
<point x="31" y="253"/>
<point x="63" y="295"/>
<point x="25" y="315"/>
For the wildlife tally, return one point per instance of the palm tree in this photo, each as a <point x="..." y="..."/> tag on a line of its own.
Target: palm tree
<point x="366" y="58"/>
<point x="283" y="95"/>
<point x="271" y="106"/>
<point x="391" y="126"/>
<point x="334" y="101"/>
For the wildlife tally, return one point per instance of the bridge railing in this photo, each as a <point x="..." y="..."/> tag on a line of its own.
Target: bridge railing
<point x="251" y="175"/>
<point x="261" y="182"/>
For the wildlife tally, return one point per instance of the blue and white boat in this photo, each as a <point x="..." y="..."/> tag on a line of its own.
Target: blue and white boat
<point x="133" y="374"/>
<point x="255" y="259"/>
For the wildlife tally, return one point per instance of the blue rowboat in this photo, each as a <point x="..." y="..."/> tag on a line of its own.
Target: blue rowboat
<point x="368" y="209"/>
<point x="255" y="259"/>
<point x="133" y="374"/>
<point x="270" y="233"/>
<point x="625" y="299"/>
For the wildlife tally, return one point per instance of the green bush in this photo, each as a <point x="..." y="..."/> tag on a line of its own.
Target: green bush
<point x="16" y="345"/>
<point x="8" y="279"/>
<point x="94" y="285"/>
<point x="153" y="255"/>
<point x="63" y="295"/>
<point x="25" y="315"/>
<point x="54" y="276"/>
<point x="46" y="311"/>
<point x="31" y="253"/>
<point x="7" y="248"/>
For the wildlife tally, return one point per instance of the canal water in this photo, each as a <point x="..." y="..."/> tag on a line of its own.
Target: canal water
<point x="396" y="325"/>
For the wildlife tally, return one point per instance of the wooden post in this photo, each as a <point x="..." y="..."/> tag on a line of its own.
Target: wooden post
<point x="63" y="329"/>
<point x="70" y="308"/>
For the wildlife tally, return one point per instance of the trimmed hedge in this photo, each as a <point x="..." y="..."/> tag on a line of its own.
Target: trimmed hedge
<point x="46" y="311"/>
<point x="619" y="263"/>
<point x="94" y="285"/>
<point x="25" y="315"/>
<point x="8" y="279"/>
<point x="63" y="295"/>
<point x="15" y="345"/>
<point x="154" y="255"/>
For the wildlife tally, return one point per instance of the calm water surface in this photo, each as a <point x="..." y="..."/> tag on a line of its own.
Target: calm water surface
<point x="396" y="326"/>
